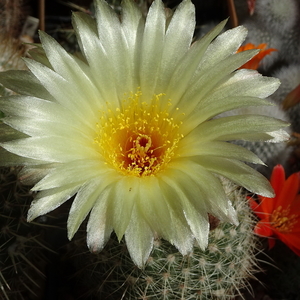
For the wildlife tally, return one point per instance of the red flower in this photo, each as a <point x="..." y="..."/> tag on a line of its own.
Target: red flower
<point x="280" y="216"/>
<point x="254" y="62"/>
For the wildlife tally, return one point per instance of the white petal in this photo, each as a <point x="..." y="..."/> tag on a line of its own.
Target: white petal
<point x="152" y="48"/>
<point x="248" y="83"/>
<point x="237" y="127"/>
<point x="198" y="222"/>
<point x="183" y="238"/>
<point x="114" y="43"/>
<point x="74" y="172"/>
<point x="207" y="80"/>
<point x="23" y="82"/>
<point x="187" y="66"/>
<point x="179" y="234"/>
<point x="7" y="133"/>
<point x="51" y="149"/>
<point x="48" y="200"/>
<point x="38" y="54"/>
<point x="224" y="45"/>
<point x="39" y="128"/>
<point x="84" y="201"/>
<point x="192" y="146"/>
<point x="38" y="117"/>
<point x="9" y="159"/>
<point x="31" y="174"/>
<point x="31" y="107"/>
<point x="183" y="190"/>
<point x="209" y="108"/>
<point x="139" y="239"/>
<point x="195" y="185"/>
<point x="239" y="173"/>
<point x="123" y="198"/>
<point x="100" y="224"/>
<point x="152" y="205"/>
<point x="177" y="42"/>
<point x="66" y="66"/>
<point x="133" y="24"/>
<point x="278" y="136"/>
<point x="65" y="93"/>
<point x="188" y="194"/>
<point x="99" y="63"/>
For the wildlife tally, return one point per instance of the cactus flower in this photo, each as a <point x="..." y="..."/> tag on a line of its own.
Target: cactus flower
<point x="128" y="127"/>
<point x="255" y="61"/>
<point x="280" y="216"/>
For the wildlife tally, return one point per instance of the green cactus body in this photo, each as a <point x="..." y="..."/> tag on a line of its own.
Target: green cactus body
<point x="219" y="272"/>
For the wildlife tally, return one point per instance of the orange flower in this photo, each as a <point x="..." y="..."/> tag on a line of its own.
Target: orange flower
<point x="254" y="62"/>
<point x="280" y="216"/>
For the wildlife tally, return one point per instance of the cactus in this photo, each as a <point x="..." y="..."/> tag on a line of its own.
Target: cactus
<point x="22" y="247"/>
<point x="219" y="272"/>
<point x="275" y="23"/>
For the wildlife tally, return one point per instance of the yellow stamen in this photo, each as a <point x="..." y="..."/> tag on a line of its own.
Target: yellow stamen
<point x="138" y="138"/>
<point x="282" y="220"/>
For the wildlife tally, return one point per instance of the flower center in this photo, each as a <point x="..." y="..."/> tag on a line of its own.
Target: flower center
<point x="282" y="220"/>
<point x="138" y="138"/>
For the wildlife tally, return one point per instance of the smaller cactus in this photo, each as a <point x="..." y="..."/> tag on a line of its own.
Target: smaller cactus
<point x="275" y="23"/>
<point x="219" y="272"/>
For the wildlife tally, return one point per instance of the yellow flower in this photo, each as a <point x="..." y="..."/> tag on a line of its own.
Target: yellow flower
<point x="130" y="130"/>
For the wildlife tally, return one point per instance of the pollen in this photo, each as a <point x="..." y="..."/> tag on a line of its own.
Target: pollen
<point x="139" y="138"/>
<point x="282" y="220"/>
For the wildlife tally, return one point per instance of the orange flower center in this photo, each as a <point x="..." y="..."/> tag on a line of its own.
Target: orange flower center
<point x="138" y="138"/>
<point x="282" y="220"/>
